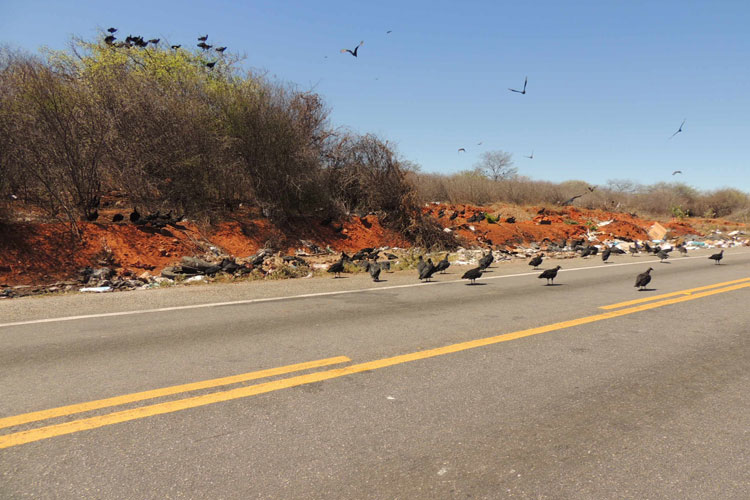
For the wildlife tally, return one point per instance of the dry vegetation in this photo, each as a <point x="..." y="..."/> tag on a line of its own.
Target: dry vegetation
<point x="160" y="128"/>
<point x="657" y="200"/>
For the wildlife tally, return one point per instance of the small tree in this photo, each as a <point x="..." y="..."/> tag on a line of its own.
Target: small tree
<point x="497" y="165"/>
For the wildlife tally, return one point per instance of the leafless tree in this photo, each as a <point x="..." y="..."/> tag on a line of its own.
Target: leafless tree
<point x="497" y="165"/>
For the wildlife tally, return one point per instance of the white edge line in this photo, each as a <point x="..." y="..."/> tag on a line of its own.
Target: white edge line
<point x="309" y="295"/>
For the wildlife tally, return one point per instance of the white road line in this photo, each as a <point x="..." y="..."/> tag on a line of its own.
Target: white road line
<point x="318" y="294"/>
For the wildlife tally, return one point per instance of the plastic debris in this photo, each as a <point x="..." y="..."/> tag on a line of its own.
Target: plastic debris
<point x="97" y="289"/>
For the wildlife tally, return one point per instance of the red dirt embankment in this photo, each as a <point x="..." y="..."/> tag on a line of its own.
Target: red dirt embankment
<point x="33" y="253"/>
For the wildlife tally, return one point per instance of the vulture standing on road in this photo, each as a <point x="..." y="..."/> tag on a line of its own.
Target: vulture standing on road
<point x="420" y="265"/>
<point x="663" y="255"/>
<point x="443" y="265"/>
<point x="485" y="261"/>
<point x="550" y="274"/>
<point x="605" y="254"/>
<point x="337" y="268"/>
<point x="472" y="275"/>
<point x="374" y="269"/>
<point x="717" y="257"/>
<point x="427" y="271"/>
<point x="536" y="261"/>
<point x="643" y="279"/>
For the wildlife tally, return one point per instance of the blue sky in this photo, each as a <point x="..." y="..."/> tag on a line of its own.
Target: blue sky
<point x="609" y="81"/>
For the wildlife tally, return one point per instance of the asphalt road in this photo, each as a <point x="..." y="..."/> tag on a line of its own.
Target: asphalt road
<point x="506" y="389"/>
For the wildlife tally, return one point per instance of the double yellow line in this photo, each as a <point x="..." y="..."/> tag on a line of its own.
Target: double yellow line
<point x="28" y="436"/>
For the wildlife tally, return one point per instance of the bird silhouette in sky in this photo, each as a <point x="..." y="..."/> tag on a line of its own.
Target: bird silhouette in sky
<point x="220" y="49"/>
<point x="479" y="143"/>
<point x="591" y="188"/>
<point x="679" y="129"/>
<point x="677" y="172"/>
<point x="525" y="81"/>
<point x="112" y="30"/>
<point x="353" y="52"/>
<point x="531" y="156"/>
<point x="461" y="149"/>
<point x="389" y="32"/>
<point x="202" y="38"/>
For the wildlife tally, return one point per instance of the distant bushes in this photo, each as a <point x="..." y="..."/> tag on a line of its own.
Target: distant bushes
<point x="663" y="199"/>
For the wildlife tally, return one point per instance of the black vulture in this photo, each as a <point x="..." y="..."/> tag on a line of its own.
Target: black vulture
<point x="472" y="275"/>
<point x="385" y="265"/>
<point x="443" y="265"/>
<point x="550" y="274"/>
<point x="344" y="256"/>
<point x="646" y="247"/>
<point x="453" y="215"/>
<point x="536" y="261"/>
<point x="117" y="217"/>
<point x="485" y="261"/>
<point x="510" y="220"/>
<point x="678" y="131"/>
<point x="203" y="38"/>
<point x="682" y="249"/>
<point x="154" y="41"/>
<point x="633" y="250"/>
<point x="91" y="217"/>
<point x="210" y="65"/>
<point x="643" y="279"/>
<point x="111" y="30"/>
<point x="589" y="250"/>
<point x="176" y="46"/>
<point x="391" y="256"/>
<point x="420" y="265"/>
<point x="525" y="81"/>
<point x="605" y="254"/>
<point x="337" y="268"/>
<point x="220" y="49"/>
<point x="428" y="270"/>
<point x="353" y="52"/>
<point x="134" y="215"/>
<point x="663" y="255"/>
<point x="374" y="269"/>
<point x="109" y="40"/>
<point x="717" y="257"/>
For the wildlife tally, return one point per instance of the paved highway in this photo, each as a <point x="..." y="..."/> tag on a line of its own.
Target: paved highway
<point x="345" y="388"/>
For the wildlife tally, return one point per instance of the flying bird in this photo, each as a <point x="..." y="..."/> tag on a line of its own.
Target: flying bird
<point x="479" y="144"/>
<point x="679" y="129"/>
<point x="353" y="52"/>
<point x="112" y="30"/>
<point x="203" y="38"/>
<point x="531" y="156"/>
<point x="590" y="188"/>
<point x="525" y="81"/>
<point x="677" y="172"/>
<point x="389" y="32"/>
<point x="570" y="200"/>
<point x="643" y="279"/>
<point x="461" y="149"/>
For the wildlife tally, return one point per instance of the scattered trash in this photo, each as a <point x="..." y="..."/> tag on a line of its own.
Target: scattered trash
<point x="98" y="289"/>
<point x="193" y="279"/>
<point x="657" y="232"/>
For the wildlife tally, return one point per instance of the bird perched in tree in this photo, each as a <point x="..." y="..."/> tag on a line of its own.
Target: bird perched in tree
<point x="550" y="275"/>
<point x="220" y="49"/>
<point x="134" y="215"/>
<point x="210" y="65"/>
<point x="443" y="265"/>
<point x="203" y="38"/>
<point x="717" y="257"/>
<point x="536" y="261"/>
<point x="428" y="270"/>
<point x="643" y="279"/>
<point x="336" y="268"/>
<point x="204" y="45"/>
<point x="485" y="261"/>
<point x="111" y="30"/>
<point x="472" y="275"/>
<point x="525" y="81"/>
<point x="353" y="52"/>
<point x="154" y="41"/>
<point x="663" y="255"/>
<point x="374" y="269"/>
<point x="109" y="40"/>
<point x="679" y="129"/>
<point x="176" y="46"/>
<point x="605" y="254"/>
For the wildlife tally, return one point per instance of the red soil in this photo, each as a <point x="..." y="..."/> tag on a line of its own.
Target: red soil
<point x="34" y="253"/>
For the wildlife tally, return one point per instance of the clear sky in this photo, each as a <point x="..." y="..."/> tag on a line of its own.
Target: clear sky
<point x="609" y="80"/>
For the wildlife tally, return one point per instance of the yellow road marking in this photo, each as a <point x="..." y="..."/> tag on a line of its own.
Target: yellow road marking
<point x="165" y="391"/>
<point x="672" y="294"/>
<point x="32" y="435"/>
